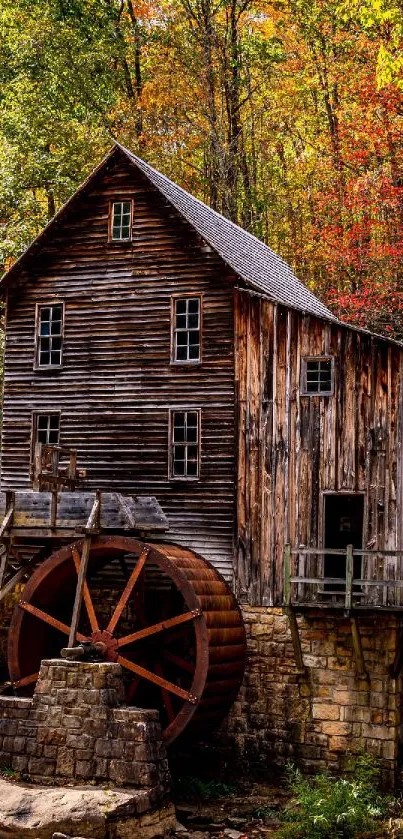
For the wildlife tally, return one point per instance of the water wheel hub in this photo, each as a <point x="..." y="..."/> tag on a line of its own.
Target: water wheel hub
<point x="109" y="642"/>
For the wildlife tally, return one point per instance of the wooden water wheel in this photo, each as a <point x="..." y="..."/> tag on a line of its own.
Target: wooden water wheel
<point x="163" y="613"/>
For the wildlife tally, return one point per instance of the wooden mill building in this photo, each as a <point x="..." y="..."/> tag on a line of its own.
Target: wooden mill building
<point x="173" y="356"/>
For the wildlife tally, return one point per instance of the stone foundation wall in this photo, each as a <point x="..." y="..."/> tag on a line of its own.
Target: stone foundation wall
<point x="73" y="728"/>
<point x="314" y="720"/>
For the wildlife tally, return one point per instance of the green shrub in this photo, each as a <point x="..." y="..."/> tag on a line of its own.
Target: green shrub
<point x="340" y="808"/>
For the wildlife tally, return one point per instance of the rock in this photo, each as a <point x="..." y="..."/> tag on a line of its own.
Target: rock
<point x="64" y="836"/>
<point x="229" y="833"/>
<point x="181" y="830"/>
<point x="28" y="812"/>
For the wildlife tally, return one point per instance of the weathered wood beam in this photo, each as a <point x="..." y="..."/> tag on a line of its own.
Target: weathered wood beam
<point x="94" y="519"/>
<point x="296" y="640"/>
<point x="81" y="579"/>
<point x="32" y="513"/>
<point x="357" y="646"/>
<point x="126" y="510"/>
<point x="9" y="513"/>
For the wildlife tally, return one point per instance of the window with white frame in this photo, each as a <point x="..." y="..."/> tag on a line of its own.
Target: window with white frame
<point x="47" y="429"/>
<point x="317" y="375"/>
<point x="49" y="338"/>
<point x="185" y="444"/>
<point x="121" y="221"/>
<point x="186" y="329"/>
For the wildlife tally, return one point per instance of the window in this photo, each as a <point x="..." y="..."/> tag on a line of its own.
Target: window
<point x="47" y="429"/>
<point x="121" y="221"/>
<point x="186" y="329"/>
<point x="317" y="377"/>
<point x="50" y="336"/>
<point x="185" y="444"/>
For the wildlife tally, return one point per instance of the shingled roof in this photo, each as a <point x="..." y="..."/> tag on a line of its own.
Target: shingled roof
<point x="254" y="262"/>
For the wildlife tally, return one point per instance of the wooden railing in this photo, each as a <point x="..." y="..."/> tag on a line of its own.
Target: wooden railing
<point x="379" y="583"/>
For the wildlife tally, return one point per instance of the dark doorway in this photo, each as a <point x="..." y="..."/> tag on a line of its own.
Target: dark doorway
<point x="344" y="516"/>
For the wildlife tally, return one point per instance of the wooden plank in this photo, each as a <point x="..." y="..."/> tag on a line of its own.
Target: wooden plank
<point x="126" y="510"/>
<point x="33" y="511"/>
<point x="3" y="565"/>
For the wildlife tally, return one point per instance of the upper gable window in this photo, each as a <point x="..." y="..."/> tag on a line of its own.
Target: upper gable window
<point x="49" y="336"/>
<point x="186" y="345"/>
<point x="121" y="221"/>
<point x="317" y="376"/>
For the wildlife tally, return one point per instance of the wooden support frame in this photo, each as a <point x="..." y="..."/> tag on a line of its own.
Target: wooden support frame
<point x="296" y="640"/>
<point x="4" y="531"/>
<point x="289" y="611"/>
<point x="46" y="472"/>
<point x="8" y="518"/>
<point x="92" y="528"/>
<point x="127" y="512"/>
<point x="357" y="647"/>
<point x="349" y="578"/>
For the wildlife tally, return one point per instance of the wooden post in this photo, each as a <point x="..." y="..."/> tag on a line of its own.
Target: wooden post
<point x="287" y="575"/>
<point x="85" y="554"/>
<point x="296" y="641"/>
<point x="5" y="526"/>
<point x="53" y="508"/>
<point x="288" y="610"/>
<point x="349" y="577"/>
<point x="3" y="565"/>
<point x="358" y="651"/>
<point x="93" y="525"/>
<point x="72" y="469"/>
<point x="36" y="482"/>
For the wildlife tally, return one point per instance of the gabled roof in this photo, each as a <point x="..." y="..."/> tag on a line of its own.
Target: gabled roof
<point x="254" y="262"/>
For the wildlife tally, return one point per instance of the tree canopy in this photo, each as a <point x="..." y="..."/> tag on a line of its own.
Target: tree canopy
<point x="285" y="115"/>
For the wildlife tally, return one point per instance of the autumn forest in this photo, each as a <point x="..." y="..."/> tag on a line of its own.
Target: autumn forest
<point x="284" y="115"/>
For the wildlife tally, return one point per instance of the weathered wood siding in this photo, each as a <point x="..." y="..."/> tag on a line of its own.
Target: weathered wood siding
<point x="117" y="384"/>
<point x="293" y="448"/>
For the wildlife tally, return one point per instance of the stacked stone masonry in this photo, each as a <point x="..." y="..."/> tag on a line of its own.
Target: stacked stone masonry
<point x="317" y="719"/>
<point x="74" y="728"/>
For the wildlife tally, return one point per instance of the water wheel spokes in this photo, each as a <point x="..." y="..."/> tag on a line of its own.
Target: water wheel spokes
<point x="49" y="619"/>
